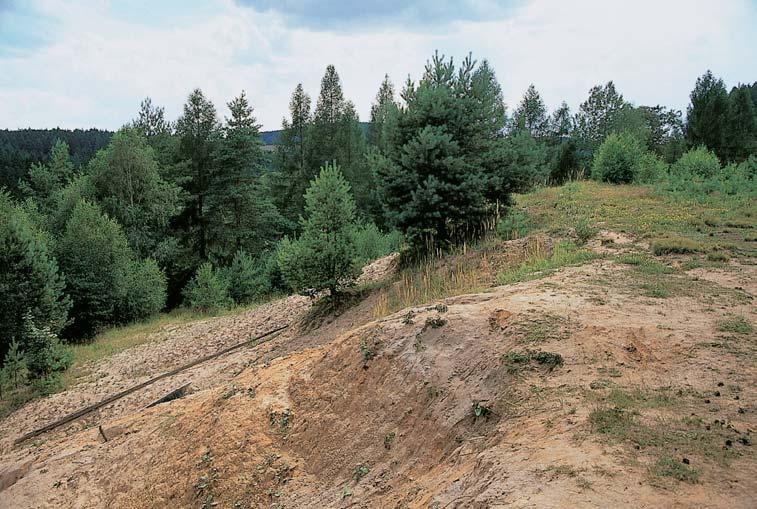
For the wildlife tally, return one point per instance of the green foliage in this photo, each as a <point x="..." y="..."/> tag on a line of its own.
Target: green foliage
<point x="208" y="291"/>
<point x="735" y="324"/>
<point x="29" y="277"/>
<point x="531" y="114"/>
<point x="650" y="169"/>
<point x="129" y="188"/>
<point x="144" y="291"/>
<point x="585" y="230"/>
<point x="446" y="164"/>
<point x="697" y="163"/>
<point x="617" y="159"/>
<point x="13" y="367"/>
<point x="44" y="353"/>
<point x="707" y="114"/>
<point x="252" y="278"/>
<point x="103" y="278"/>
<point x="515" y="224"/>
<point x="323" y="257"/>
<point x="372" y="244"/>
<point x="669" y="467"/>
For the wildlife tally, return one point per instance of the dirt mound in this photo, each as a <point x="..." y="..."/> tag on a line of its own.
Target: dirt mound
<point x="575" y="389"/>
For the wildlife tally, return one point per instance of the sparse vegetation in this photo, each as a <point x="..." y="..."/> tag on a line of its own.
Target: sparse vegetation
<point x="669" y="467"/>
<point x="515" y="361"/>
<point x="735" y="324"/>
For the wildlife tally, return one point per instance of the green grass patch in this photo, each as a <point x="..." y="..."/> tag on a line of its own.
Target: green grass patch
<point x="676" y="245"/>
<point x="563" y="254"/>
<point x="517" y="361"/>
<point x="735" y="324"/>
<point x="669" y="467"/>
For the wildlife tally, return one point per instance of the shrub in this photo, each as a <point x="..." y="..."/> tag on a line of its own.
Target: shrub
<point x="698" y="162"/>
<point x="372" y="244"/>
<point x="208" y="291"/>
<point x="617" y="159"/>
<point x="144" y="291"/>
<point x="13" y="366"/>
<point x="650" y="169"/>
<point x="515" y="224"/>
<point x="29" y="278"/>
<point x="44" y="353"/>
<point x="252" y="278"/>
<point x="584" y="230"/>
<point x="324" y="255"/>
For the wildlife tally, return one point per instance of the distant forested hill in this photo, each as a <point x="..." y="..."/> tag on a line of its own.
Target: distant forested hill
<point x="20" y="148"/>
<point x="272" y="137"/>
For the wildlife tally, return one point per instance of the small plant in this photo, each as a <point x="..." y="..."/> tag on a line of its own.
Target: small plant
<point x="717" y="256"/>
<point x="675" y="245"/>
<point x="669" y="467"/>
<point x="281" y="419"/>
<point x="656" y="290"/>
<point x="435" y="322"/>
<point x="360" y="471"/>
<point x="481" y="410"/>
<point x="441" y="308"/>
<point x="735" y="324"/>
<point x="515" y="361"/>
<point x="515" y="225"/>
<point x="389" y="440"/>
<point x="584" y="230"/>
<point x="366" y="350"/>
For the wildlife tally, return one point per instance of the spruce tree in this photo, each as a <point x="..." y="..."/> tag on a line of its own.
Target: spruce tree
<point x="741" y="128"/>
<point x="384" y="105"/>
<point x="323" y="257"/>
<point x="707" y="115"/>
<point x="292" y="159"/>
<point x="198" y="131"/>
<point x="240" y="214"/>
<point x="531" y="114"/>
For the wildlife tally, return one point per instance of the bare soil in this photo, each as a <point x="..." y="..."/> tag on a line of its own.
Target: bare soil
<point x="424" y="408"/>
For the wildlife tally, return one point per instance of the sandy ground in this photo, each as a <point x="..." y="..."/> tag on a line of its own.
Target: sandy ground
<point x="363" y="413"/>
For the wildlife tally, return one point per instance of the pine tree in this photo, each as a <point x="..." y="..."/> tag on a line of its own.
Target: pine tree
<point x="447" y="166"/>
<point x="151" y="121"/>
<point x="198" y="130"/>
<point x="327" y="119"/>
<point x="29" y="277"/>
<point x="707" y="114"/>
<point x="94" y="254"/>
<point x="323" y="256"/>
<point x="240" y="215"/>
<point x="383" y="106"/>
<point x="561" y="123"/>
<point x="531" y="114"/>
<point x="45" y="180"/>
<point x="741" y="128"/>
<point x="292" y="159"/>
<point x="597" y="117"/>
<point x="12" y="367"/>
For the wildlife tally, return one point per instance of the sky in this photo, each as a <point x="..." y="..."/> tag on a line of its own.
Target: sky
<point x="89" y="63"/>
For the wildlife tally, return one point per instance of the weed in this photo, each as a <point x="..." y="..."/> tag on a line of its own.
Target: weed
<point x="514" y="225"/>
<point x="389" y="440"/>
<point x="366" y="350"/>
<point x="668" y="467"/>
<point x="656" y="290"/>
<point x="435" y="322"/>
<point x="515" y="361"/>
<point x="584" y="230"/>
<point x="282" y="419"/>
<point x="675" y="245"/>
<point x="360" y="471"/>
<point x="540" y="265"/>
<point x="717" y="256"/>
<point x="481" y="410"/>
<point x="735" y="324"/>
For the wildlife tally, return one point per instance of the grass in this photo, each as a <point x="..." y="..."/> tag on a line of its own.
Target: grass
<point x="623" y="416"/>
<point x="676" y="245"/>
<point x="517" y="361"/>
<point x="542" y="264"/>
<point x="735" y="324"/>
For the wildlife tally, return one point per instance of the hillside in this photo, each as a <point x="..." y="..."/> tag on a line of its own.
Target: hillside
<point x="604" y="357"/>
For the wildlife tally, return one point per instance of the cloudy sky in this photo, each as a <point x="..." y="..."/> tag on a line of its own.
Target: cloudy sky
<point x="89" y="63"/>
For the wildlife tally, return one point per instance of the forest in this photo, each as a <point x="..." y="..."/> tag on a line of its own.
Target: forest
<point x="101" y="229"/>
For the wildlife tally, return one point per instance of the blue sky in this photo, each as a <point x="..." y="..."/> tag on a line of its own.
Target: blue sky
<point x="90" y="63"/>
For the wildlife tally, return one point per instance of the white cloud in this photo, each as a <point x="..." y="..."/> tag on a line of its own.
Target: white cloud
<point x="98" y="67"/>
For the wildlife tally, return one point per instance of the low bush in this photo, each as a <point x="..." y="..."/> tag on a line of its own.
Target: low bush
<point x="617" y="159"/>
<point x="675" y="245"/>
<point x="208" y="291"/>
<point x="697" y="162"/>
<point x="515" y="224"/>
<point x="372" y="244"/>
<point x="651" y="169"/>
<point x="144" y="291"/>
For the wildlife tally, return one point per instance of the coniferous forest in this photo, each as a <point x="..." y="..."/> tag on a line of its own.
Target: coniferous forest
<point x="99" y="229"/>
